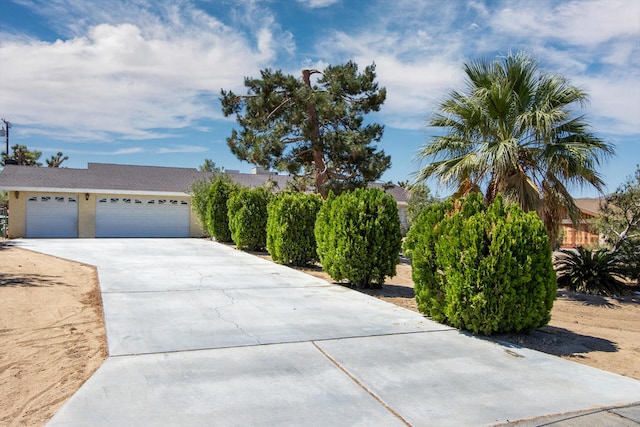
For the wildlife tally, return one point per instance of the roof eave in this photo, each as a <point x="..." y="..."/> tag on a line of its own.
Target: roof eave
<point x="95" y="191"/>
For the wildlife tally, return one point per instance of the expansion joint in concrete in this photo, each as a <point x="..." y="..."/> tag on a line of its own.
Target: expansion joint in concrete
<point x="362" y="386"/>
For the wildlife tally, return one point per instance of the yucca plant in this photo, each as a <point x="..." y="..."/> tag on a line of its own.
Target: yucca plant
<point x="597" y="272"/>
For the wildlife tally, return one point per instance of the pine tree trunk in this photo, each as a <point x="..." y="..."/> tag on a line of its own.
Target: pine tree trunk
<point x="321" y="174"/>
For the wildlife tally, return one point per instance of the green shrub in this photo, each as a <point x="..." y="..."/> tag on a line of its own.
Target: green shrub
<point x="358" y="236"/>
<point x="217" y="214"/>
<point x="290" y="228"/>
<point x="199" y="200"/>
<point x="596" y="272"/>
<point x="419" y="245"/>
<point x="484" y="269"/>
<point x="248" y="218"/>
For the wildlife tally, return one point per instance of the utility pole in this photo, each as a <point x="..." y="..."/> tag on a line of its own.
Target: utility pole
<point x="5" y="131"/>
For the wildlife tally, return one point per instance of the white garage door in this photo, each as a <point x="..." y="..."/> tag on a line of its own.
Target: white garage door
<point x="141" y="217"/>
<point x="52" y="215"/>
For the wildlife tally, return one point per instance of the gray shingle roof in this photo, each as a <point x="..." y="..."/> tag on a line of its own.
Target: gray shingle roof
<point x="131" y="179"/>
<point x="99" y="177"/>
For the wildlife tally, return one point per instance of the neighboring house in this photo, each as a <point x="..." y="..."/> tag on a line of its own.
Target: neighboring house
<point x="107" y="200"/>
<point x="584" y="234"/>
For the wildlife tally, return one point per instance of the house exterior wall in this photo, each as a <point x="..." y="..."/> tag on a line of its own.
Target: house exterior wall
<point x="581" y="236"/>
<point x="17" y="214"/>
<point x="86" y="213"/>
<point x="87" y="216"/>
<point x="584" y="234"/>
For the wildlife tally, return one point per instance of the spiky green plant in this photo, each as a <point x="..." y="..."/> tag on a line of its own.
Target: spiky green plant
<point x="596" y="272"/>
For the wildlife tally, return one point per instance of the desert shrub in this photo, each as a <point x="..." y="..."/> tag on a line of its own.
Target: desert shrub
<point x="358" y="236"/>
<point x="629" y="255"/>
<point x="217" y="213"/>
<point x="200" y="191"/>
<point x="419" y="245"/>
<point x="247" y="210"/>
<point x="290" y="228"/>
<point x="484" y="269"/>
<point x="597" y="272"/>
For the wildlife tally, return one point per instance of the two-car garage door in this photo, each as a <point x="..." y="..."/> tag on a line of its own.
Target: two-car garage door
<point x="127" y="216"/>
<point x="57" y="215"/>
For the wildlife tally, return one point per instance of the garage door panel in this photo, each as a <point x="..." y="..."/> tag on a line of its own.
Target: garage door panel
<point x="52" y="216"/>
<point x="142" y="217"/>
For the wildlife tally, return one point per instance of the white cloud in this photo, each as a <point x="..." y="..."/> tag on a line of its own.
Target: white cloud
<point x="128" y="80"/>
<point x="182" y="149"/>
<point x="416" y="72"/>
<point x="594" y="44"/>
<point x="615" y="103"/>
<point x="313" y="4"/>
<point x="123" y="151"/>
<point x="579" y="23"/>
<point x="142" y="69"/>
<point x="118" y="152"/>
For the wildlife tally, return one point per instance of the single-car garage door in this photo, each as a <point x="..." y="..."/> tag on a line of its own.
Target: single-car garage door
<point x="127" y="216"/>
<point x="52" y="215"/>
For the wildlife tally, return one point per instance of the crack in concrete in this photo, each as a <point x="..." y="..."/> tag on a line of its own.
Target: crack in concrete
<point x="232" y="301"/>
<point x="200" y="275"/>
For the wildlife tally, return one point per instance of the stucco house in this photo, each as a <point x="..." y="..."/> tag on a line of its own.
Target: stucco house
<point x="109" y="200"/>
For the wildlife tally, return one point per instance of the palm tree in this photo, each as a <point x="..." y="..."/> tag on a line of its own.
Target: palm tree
<point x="513" y="132"/>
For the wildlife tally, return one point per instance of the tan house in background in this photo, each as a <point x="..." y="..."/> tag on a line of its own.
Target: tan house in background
<point x="584" y="234"/>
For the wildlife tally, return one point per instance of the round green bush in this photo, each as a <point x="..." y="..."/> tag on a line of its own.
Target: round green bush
<point x="358" y="236"/>
<point x="217" y="214"/>
<point x="248" y="218"/>
<point x="487" y="270"/>
<point x="290" y="228"/>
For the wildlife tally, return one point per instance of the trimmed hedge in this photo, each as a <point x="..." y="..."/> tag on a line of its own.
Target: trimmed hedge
<point x="290" y="228"/>
<point x="484" y="269"/>
<point x="217" y="215"/>
<point x="358" y="236"/>
<point x="248" y="218"/>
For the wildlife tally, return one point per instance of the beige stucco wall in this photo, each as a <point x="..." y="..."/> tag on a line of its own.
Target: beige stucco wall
<point x="86" y="215"/>
<point x="17" y="213"/>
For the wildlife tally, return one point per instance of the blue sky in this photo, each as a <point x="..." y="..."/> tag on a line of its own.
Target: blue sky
<point x="138" y="81"/>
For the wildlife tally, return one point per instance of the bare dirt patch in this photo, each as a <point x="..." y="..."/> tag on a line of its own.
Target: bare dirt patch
<point x="52" y="336"/>
<point x="597" y="331"/>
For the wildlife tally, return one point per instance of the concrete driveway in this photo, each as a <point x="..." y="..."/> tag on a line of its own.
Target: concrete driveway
<point x="201" y="334"/>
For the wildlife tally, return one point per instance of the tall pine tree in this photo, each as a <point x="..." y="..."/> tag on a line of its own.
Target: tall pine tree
<point x="311" y="128"/>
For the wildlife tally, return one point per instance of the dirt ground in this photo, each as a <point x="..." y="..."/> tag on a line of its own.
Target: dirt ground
<point x="52" y="333"/>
